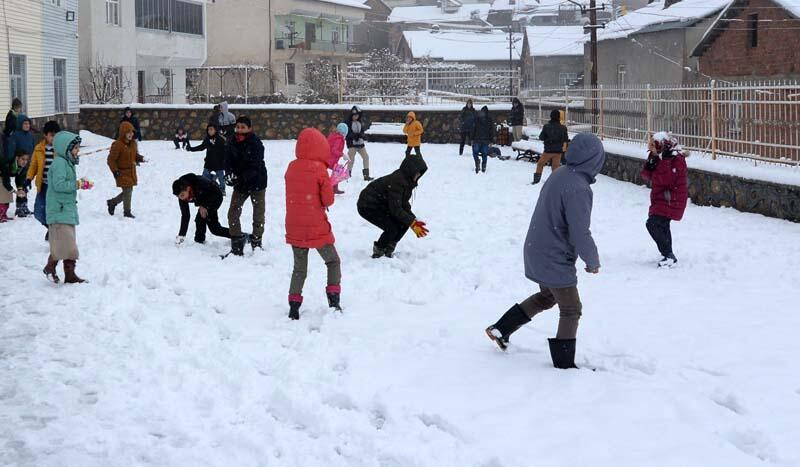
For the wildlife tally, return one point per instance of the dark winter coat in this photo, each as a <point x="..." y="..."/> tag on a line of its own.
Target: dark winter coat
<point x="215" y="152"/>
<point x="392" y="193"/>
<point x="559" y="230"/>
<point x="669" y="182"/>
<point x="206" y="194"/>
<point x="554" y="135"/>
<point x="123" y="157"/>
<point x="517" y="117"/>
<point x="245" y="160"/>
<point x="485" y="128"/>
<point x="355" y="129"/>
<point x="11" y="123"/>
<point x="8" y="171"/>
<point x="468" y="116"/>
<point x="133" y="120"/>
<point x="20" y="139"/>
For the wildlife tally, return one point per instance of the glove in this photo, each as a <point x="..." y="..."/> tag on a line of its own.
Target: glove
<point x="85" y="184"/>
<point x="116" y="173"/>
<point x="179" y="239"/>
<point x="27" y="184"/>
<point x="230" y="179"/>
<point x="419" y="228"/>
<point x="652" y="163"/>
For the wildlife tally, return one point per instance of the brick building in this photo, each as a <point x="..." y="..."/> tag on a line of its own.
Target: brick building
<point x="753" y="39"/>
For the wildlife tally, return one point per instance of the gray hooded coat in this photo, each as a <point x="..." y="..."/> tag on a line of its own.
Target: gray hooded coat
<point x="559" y="230"/>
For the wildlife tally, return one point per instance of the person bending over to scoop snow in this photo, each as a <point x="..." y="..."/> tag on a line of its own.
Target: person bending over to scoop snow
<point x="559" y="234"/>
<point x="10" y="168"/>
<point x="246" y="173"/>
<point x="355" y="141"/>
<point x="555" y="136"/>
<point x="666" y="171"/>
<point x="413" y="130"/>
<point x="483" y="135"/>
<point x="207" y="196"/>
<point x="43" y="156"/>
<point x="385" y="204"/>
<point x="336" y="142"/>
<point x="309" y="193"/>
<point x="214" y="164"/>
<point x="123" y="157"/>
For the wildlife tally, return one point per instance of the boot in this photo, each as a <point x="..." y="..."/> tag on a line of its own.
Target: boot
<point x="47" y="235"/>
<point x="129" y="215"/>
<point x="255" y="242"/>
<point x="111" y="207"/>
<point x="334" y="293"/>
<point x="483" y="168"/>
<point x="562" y="351"/>
<point x="477" y="169"/>
<point x="367" y="178"/>
<point x="237" y="245"/>
<point x="22" y="207"/>
<point x="536" y="179"/>
<point x="294" y="306"/>
<point x="3" y="211"/>
<point x="50" y="270"/>
<point x="389" y="250"/>
<point x="377" y="251"/>
<point x="69" y="273"/>
<point x="336" y="190"/>
<point x="512" y="320"/>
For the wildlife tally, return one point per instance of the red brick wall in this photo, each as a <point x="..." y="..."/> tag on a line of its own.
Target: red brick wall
<point x="777" y="55"/>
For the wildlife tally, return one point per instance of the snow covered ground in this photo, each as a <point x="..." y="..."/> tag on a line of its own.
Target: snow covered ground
<point x="171" y="357"/>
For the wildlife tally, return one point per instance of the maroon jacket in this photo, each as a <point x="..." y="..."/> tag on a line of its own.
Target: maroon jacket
<point x="670" y="187"/>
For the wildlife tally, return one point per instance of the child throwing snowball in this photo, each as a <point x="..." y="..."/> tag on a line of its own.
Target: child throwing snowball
<point x="336" y="141"/>
<point x="309" y="193"/>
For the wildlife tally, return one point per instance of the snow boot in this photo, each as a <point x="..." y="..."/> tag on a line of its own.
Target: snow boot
<point x="111" y="207"/>
<point x="477" y="169"/>
<point x="367" y="178"/>
<point x="3" y="211"/>
<point x="336" y="190"/>
<point x="294" y="306"/>
<point x="377" y="251"/>
<point x="237" y="245"/>
<point x="22" y="207"/>
<point x="511" y="320"/>
<point x="255" y="242"/>
<point x="69" y="273"/>
<point x="50" y="270"/>
<point x="562" y="351"/>
<point x="129" y="215"/>
<point x="334" y="293"/>
<point x="536" y="179"/>
<point x="668" y="262"/>
<point x="389" y="250"/>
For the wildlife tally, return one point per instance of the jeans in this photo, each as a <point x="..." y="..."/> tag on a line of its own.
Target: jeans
<point x="658" y="227"/>
<point x="481" y="149"/>
<point x="220" y="177"/>
<point x="569" y="307"/>
<point x="39" y="206"/>
<point x="393" y="230"/>
<point x="332" y="262"/>
<point x="257" y="198"/>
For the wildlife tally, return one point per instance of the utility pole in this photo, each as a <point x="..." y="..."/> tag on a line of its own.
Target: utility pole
<point x="593" y="27"/>
<point x="510" y="62"/>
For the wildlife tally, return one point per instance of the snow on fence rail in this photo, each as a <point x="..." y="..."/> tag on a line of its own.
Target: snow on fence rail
<point x="755" y="120"/>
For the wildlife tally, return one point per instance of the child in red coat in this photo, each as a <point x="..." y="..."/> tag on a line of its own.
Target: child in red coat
<point x="666" y="171"/>
<point x="309" y="193"/>
<point x="336" y="143"/>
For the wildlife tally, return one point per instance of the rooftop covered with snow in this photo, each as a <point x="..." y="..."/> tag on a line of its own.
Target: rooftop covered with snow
<point x="467" y="46"/>
<point x="549" y="41"/>
<point x="434" y="14"/>
<point x="538" y="5"/>
<point x="360" y="4"/>
<point x="680" y="15"/>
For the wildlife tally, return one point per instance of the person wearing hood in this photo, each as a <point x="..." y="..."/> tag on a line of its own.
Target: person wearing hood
<point x="336" y="143"/>
<point x="123" y="157"/>
<point x="666" y="171"/>
<point x="483" y="135"/>
<point x="309" y="194"/>
<point x="385" y="203"/>
<point x="43" y="156"/>
<point x="355" y="141"/>
<point x="558" y="235"/>
<point x="214" y="163"/>
<point x="11" y="122"/>
<point x="62" y="207"/>
<point x="517" y="119"/>
<point x="555" y="136"/>
<point x="413" y="130"/>
<point x="9" y="168"/>
<point x="227" y="121"/>
<point x="206" y="195"/>
<point x="21" y="140"/>
<point x="467" y="117"/>
<point x="246" y="173"/>
<point x="128" y="116"/>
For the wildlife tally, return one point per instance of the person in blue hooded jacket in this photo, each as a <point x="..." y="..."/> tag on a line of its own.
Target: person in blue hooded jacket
<point x="559" y="234"/>
<point x="21" y="140"/>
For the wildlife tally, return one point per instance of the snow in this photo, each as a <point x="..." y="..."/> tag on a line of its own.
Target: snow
<point x="350" y="3"/>
<point x="681" y="14"/>
<point x="547" y="41"/>
<point x="792" y="6"/>
<point x="342" y="107"/>
<point x="92" y="142"/>
<point x="550" y="6"/>
<point x="433" y="14"/>
<point x="462" y="45"/>
<point x="383" y="128"/>
<point x="171" y="357"/>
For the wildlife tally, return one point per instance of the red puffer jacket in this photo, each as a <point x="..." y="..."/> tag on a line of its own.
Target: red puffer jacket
<point x="336" y="144"/>
<point x="309" y="192"/>
<point x="670" y="187"/>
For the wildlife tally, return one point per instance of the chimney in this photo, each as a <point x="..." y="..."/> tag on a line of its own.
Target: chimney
<point x="669" y="3"/>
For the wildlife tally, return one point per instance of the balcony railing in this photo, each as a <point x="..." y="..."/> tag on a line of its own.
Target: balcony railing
<point x="320" y="45"/>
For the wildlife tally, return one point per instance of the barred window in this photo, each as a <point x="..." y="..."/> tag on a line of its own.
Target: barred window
<point x="170" y="15"/>
<point x="112" y="12"/>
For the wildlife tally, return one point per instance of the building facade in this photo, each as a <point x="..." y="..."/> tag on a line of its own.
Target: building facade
<point x="139" y="50"/>
<point x="39" y="62"/>
<point x="552" y="56"/>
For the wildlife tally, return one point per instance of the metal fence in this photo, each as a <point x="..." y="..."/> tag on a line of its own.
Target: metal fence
<point x="240" y="84"/>
<point x="755" y="120"/>
<point x="429" y="86"/>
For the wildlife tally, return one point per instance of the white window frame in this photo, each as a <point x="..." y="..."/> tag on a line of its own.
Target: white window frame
<point x="60" y="87"/>
<point x="17" y="79"/>
<point x="113" y="14"/>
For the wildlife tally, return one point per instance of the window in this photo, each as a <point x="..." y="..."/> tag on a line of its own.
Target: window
<point x="621" y="76"/>
<point x="58" y="3"/>
<point x="115" y="82"/>
<point x="335" y="36"/>
<point x="59" y="85"/>
<point x="16" y="75"/>
<point x="752" y="31"/>
<point x="112" y="12"/>
<point x="170" y="15"/>
<point x="290" y="74"/>
<point x="166" y="89"/>
<point x="567" y="79"/>
<point x="311" y="33"/>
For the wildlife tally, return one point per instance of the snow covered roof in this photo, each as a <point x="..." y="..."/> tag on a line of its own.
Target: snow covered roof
<point x="434" y="14"/>
<point x="464" y="46"/>
<point x="792" y="6"/>
<point x="548" y="41"/>
<point x="538" y="5"/>
<point x="351" y="3"/>
<point x="682" y="14"/>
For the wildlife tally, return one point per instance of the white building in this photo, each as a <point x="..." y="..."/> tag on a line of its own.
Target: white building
<point x="139" y="50"/>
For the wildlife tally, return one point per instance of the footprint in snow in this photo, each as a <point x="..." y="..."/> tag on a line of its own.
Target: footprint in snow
<point x="436" y="421"/>
<point x="728" y="401"/>
<point x="753" y="443"/>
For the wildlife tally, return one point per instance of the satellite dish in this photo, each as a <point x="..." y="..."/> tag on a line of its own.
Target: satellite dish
<point x="158" y="79"/>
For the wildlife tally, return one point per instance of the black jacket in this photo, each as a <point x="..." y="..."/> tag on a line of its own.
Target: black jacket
<point x="352" y="136"/>
<point x="215" y="152"/>
<point x="11" y="124"/>
<point x="206" y="194"/>
<point x="468" y="116"/>
<point x="554" y="135"/>
<point x="134" y="120"/>
<point x="245" y="160"/>
<point x="485" y="128"/>
<point x="517" y="117"/>
<point x="392" y="193"/>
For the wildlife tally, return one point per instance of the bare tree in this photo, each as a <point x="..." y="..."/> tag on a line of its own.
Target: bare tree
<point x="104" y="84"/>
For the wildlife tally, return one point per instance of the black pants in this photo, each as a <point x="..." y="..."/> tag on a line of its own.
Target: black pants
<point x="415" y="148"/>
<point x="658" y="226"/>
<point x="180" y="143"/>
<point x="212" y="222"/>
<point x="393" y="230"/>
<point x="465" y="135"/>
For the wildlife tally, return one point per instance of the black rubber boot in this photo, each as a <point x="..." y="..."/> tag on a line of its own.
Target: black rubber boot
<point x="512" y="320"/>
<point x="237" y="245"/>
<point x="367" y="178"/>
<point x="129" y="215"/>
<point x="536" y="178"/>
<point x="377" y="252"/>
<point x="294" y="310"/>
<point x="333" y="300"/>
<point x="389" y="250"/>
<point x="111" y="207"/>
<point x="255" y="242"/>
<point x="562" y="351"/>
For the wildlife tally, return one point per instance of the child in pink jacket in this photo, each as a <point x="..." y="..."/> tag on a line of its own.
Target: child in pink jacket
<point x="336" y="144"/>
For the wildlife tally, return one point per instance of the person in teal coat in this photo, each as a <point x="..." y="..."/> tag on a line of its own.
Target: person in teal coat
<point x="62" y="207"/>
